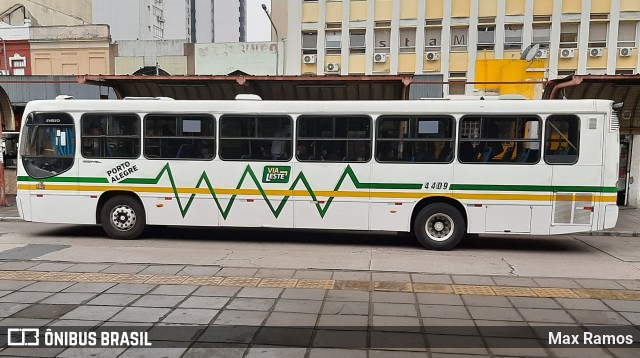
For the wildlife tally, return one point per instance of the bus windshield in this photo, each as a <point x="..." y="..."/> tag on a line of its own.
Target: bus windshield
<point x="48" y="145"/>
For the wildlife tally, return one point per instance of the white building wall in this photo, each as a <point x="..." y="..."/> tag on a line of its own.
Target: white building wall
<point x="226" y="20"/>
<point x="204" y="21"/>
<point x="128" y="19"/>
<point x="177" y="19"/>
<point x="254" y="58"/>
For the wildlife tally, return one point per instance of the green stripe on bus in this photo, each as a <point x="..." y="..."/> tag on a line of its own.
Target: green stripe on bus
<point x="275" y="210"/>
<point x="579" y="189"/>
<point x="64" y="180"/>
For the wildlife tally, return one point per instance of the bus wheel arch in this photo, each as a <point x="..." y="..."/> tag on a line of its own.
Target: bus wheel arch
<point x="121" y="214"/>
<point x="439" y="223"/>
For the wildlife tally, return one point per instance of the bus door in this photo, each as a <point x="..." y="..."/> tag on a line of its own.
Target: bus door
<point x="332" y="172"/>
<point x="574" y="151"/>
<point x="502" y="178"/>
<point x="48" y="157"/>
<point x="109" y="146"/>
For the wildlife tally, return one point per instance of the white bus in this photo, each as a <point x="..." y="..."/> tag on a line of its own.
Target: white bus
<point x="440" y="169"/>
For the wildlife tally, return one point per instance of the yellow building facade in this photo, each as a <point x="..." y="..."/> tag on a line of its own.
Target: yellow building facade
<point x="467" y="45"/>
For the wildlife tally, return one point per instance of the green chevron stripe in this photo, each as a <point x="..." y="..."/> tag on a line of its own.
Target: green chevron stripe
<point x="575" y="189"/>
<point x="322" y="210"/>
<point x="64" y="180"/>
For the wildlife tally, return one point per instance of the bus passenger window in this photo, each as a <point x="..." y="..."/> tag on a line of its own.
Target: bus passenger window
<point x="255" y="138"/>
<point x="414" y="139"/>
<point x="499" y="139"/>
<point x="334" y="139"/>
<point x="179" y="137"/>
<point x="562" y="139"/>
<point x="110" y="136"/>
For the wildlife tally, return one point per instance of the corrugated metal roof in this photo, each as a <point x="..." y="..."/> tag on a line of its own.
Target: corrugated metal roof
<point x="618" y="88"/>
<point x="22" y="89"/>
<point x="269" y="88"/>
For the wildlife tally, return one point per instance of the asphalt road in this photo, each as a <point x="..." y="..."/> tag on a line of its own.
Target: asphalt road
<point x="606" y="257"/>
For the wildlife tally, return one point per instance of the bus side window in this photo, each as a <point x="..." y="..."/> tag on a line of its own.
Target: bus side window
<point x="180" y="137"/>
<point x="562" y="139"/>
<point x="499" y="139"/>
<point x="110" y="136"/>
<point x="414" y="139"/>
<point x="256" y="138"/>
<point x="334" y="139"/>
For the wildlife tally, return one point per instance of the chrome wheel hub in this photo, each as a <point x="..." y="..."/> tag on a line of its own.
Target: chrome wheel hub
<point x="123" y="217"/>
<point x="439" y="227"/>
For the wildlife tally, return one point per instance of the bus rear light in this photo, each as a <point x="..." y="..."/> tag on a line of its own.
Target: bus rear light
<point x="398" y="204"/>
<point x="589" y="208"/>
<point x="250" y="200"/>
<point x="474" y="205"/>
<point x="168" y="198"/>
<point x="39" y="195"/>
<point x="321" y="202"/>
<point x="94" y="197"/>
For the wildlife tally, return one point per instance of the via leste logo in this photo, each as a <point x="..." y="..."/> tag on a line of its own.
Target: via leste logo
<point x="23" y="337"/>
<point x="273" y="174"/>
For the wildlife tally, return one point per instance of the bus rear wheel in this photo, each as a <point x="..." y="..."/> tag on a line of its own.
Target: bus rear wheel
<point x="123" y="218"/>
<point x="439" y="227"/>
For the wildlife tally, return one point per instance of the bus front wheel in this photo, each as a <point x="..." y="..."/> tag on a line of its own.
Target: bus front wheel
<point x="439" y="227"/>
<point x="123" y="218"/>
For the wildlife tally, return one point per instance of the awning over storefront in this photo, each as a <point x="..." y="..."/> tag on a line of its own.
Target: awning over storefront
<point x="619" y="88"/>
<point x="269" y="88"/>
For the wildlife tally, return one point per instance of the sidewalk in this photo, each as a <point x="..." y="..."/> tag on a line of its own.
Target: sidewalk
<point x="249" y="312"/>
<point x="9" y="212"/>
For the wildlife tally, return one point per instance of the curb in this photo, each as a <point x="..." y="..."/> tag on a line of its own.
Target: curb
<point x="610" y="233"/>
<point x="10" y="218"/>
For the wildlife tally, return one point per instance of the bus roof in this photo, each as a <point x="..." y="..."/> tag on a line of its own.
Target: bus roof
<point x="324" y="107"/>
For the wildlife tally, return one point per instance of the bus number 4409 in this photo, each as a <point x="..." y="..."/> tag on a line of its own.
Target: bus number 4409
<point x="437" y="185"/>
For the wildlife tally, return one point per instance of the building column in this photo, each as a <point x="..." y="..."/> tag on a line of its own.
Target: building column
<point x="445" y="46"/>
<point x="612" y="41"/>
<point x="422" y="8"/>
<point x="583" y="37"/>
<point x="395" y="38"/>
<point x="554" y="46"/>
<point x="293" y="64"/>
<point x="633" y="189"/>
<point x="322" y="24"/>
<point x="472" y="46"/>
<point x="527" y="28"/>
<point x="499" y="40"/>
<point x="370" y="37"/>
<point x="346" y="39"/>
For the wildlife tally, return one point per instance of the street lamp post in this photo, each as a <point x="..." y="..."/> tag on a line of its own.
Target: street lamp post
<point x="264" y="7"/>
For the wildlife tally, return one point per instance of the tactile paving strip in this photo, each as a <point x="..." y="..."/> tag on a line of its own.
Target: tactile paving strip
<point x="358" y="285"/>
<point x="473" y="290"/>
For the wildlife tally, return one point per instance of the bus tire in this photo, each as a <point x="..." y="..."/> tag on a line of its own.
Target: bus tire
<point x="439" y="227"/>
<point x="123" y="218"/>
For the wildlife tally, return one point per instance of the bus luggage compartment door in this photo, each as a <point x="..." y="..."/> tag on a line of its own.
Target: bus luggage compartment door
<point x="508" y="219"/>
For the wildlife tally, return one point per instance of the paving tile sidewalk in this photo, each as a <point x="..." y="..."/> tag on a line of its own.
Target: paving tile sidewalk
<point x="218" y="320"/>
<point x="9" y="212"/>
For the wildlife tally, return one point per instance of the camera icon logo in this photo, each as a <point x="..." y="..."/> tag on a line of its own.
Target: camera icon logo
<point x="22" y="337"/>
